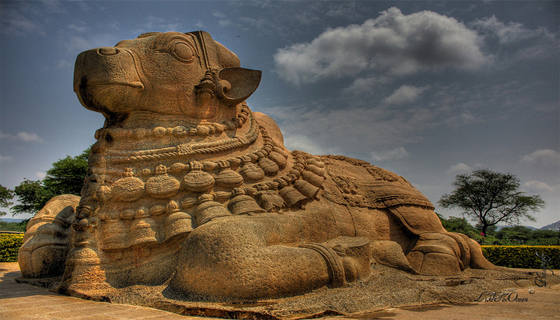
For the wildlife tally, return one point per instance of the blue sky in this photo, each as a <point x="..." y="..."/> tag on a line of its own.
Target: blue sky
<point x="426" y="89"/>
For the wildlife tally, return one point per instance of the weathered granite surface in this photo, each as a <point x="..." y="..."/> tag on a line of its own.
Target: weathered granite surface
<point x="191" y="192"/>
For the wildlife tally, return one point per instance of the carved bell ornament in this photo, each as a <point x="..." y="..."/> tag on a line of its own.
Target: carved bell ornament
<point x="209" y="210"/>
<point x="269" y="167"/>
<point x="115" y="234"/>
<point x="143" y="231"/>
<point x="313" y="178"/>
<point x="198" y="181"/>
<point x="161" y="185"/>
<point x="251" y="172"/>
<point x="244" y="204"/>
<point x="176" y="224"/>
<point x="293" y="197"/>
<point x="271" y="201"/>
<point x="228" y="179"/>
<point x="306" y="188"/>
<point x="278" y="158"/>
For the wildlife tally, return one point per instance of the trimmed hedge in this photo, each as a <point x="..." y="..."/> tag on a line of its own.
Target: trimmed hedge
<point x="9" y="246"/>
<point x="522" y="256"/>
<point x="506" y="256"/>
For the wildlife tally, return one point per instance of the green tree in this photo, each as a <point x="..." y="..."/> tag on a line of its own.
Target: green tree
<point x="5" y="196"/>
<point x="514" y="235"/>
<point x="32" y="195"/>
<point x="461" y="225"/>
<point x="545" y="238"/>
<point x="491" y="197"/>
<point x="65" y="177"/>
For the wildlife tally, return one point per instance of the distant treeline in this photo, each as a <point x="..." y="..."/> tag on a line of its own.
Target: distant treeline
<point x="12" y="226"/>
<point x="507" y="236"/>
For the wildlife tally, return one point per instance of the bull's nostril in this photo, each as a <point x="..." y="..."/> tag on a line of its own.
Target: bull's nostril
<point x="109" y="51"/>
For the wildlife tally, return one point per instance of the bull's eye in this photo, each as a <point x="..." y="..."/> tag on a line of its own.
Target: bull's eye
<point x="183" y="52"/>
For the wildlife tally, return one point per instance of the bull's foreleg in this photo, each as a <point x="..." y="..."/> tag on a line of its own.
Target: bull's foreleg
<point x="259" y="258"/>
<point x="46" y="241"/>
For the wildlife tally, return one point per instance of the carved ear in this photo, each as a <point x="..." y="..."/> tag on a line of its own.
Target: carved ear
<point x="237" y="84"/>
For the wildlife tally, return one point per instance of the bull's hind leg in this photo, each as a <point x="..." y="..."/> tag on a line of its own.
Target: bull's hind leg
<point x="45" y="245"/>
<point x="446" y="254"/>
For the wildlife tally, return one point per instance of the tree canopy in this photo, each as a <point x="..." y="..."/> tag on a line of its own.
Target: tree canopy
<point x="65" y="177"/>
<point x="490" y="198"/>
<point x="32" y="195"/>
<point x="505" y="236"/>
<point x="5" y="196"/>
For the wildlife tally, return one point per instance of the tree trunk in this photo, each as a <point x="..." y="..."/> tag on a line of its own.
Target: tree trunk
<point x="484" y="227"/>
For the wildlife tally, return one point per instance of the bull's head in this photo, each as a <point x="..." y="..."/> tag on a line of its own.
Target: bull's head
<point x="183" y="74"/>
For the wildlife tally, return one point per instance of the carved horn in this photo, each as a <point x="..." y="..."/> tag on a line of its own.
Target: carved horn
<point x="233" y="84"/>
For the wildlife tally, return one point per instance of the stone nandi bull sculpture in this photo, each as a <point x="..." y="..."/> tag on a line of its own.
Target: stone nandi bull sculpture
<point x="187" y="185"/>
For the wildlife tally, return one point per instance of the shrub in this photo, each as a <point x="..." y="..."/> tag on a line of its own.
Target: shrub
<point x="9" y="246"/>
<point x="522" y="256"/>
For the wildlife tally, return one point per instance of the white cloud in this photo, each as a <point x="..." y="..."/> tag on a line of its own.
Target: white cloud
<point x="76" y="44"/>
<point x="16" y="23"/>
<point x="223" y="22"/>
<point x="510" y="32"/>
<point x="80" y="27"/>
<point x="40" y="175"/>
<point x="22" y="136"/>
<point x="393" y="42"/>
<point x="546" y="156"/>
<point x="4" y="159"/>
<point x="154" y="23"/>
<point x="303" y="143"/>
<point x="343" y="10"/>
<point x="537" y="44"/>
<point x="366" y="85"/>
<point x="64" y="64"/>
<point x="395" y="154"/>
<point x="460" y="168"/>
<point x="352" y="130"/>
<point x="541" y="186"/>
<point x="28" y="137"/>
<point x="404" y="94"/>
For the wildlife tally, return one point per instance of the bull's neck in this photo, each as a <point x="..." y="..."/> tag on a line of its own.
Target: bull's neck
<point x="235" y="138"/>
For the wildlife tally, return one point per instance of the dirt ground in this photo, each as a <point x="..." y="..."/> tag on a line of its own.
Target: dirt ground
<point x="386" y="288"/>
<point x="388" y="294"/>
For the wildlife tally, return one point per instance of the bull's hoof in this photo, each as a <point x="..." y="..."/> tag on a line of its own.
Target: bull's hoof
<point x="436" y="254"/>
<point x="45" y="244"/>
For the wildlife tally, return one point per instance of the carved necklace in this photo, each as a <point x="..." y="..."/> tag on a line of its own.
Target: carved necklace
<point x="155" y="205"/>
